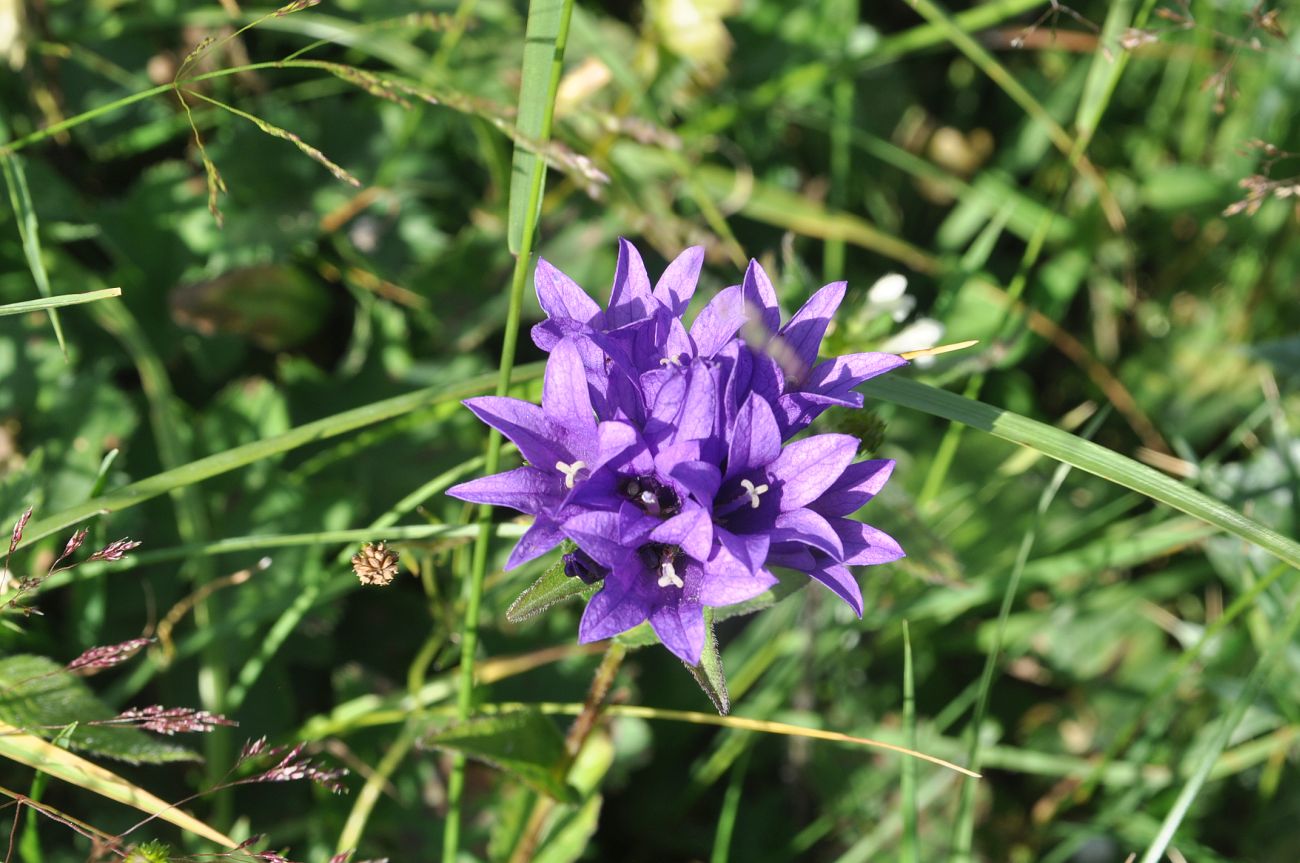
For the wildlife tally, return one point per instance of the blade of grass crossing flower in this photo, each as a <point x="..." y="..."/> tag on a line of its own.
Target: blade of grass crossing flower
<point x="1086" y="456"/>
<point x="964" y="829"/>
<point x="528" y="211"/>
<point x="536" y="110"/>
<point x="240" y="456"/>
<point x="909" y="847"/>
<point x="58" y="302"/>
<point x="25" y="215"/>
<point x="1278" y="645"/>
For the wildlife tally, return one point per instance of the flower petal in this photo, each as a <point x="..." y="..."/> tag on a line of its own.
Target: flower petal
<point x="542" y="536"/>
<point x="760" y="297"/>
<point x="598" y="534"/>
<point x="565" y="397"/>
<point x="691" y="529"/>
<point x="804" y="525"/>
<point x="839" y="579"/>
<point x="865" y="545"/>
<point x="719" y="321"/>
<point x="677" y="285"/>
<point x="680" y="626"/>
<point x="860" y="482"/>
<point x="808" y="467"/>
<point x="630" y="299"/>
<point x="755" y="438"/>
<point x="623" y="602"/>
<point x="841" y="374"/>
<point x="727" y="580"/>
<point x="526" y="489"/>
<point x="804" y="333"/>
<point x="525" y="424"/>
<point x="561" y="297"/>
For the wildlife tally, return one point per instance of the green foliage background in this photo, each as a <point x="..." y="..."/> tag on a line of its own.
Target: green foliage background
<point x="1053" y="189"/>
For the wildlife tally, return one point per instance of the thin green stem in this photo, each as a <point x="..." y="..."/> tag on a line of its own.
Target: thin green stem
<point x="492" y="458"/>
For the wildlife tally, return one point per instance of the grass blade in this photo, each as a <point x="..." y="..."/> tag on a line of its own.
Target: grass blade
<point x="542" y="62"/>
<point x="1086" y="456"/>
<point x="58" y="302"/>
<point x="909" y="850"/>
<point x="25" y="215"/>
<point x="62" y="764"/>
<point x="240" y="456"/>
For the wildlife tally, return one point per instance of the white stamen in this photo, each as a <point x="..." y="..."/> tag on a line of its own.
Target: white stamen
<point x="753" y="491"/>
<point x="651" y="502"/>
<point x="668" y="575"/>
<point x="670" y="361"/>
<point x="570" y="471"/>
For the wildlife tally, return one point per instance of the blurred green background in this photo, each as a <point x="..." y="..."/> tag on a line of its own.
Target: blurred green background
<point x="1051" y="181"/>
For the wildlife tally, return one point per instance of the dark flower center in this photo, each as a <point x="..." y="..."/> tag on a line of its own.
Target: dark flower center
<point x="651" y="495"/>
<point x="577" y="564"/>
<point x="664" y="561"/>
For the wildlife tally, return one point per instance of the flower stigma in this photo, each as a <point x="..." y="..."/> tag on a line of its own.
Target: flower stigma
<point x="753" y="491"/>
<point x="570" y="471"/>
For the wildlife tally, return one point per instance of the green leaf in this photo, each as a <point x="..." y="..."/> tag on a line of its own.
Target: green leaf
<point x="39" y="696"/>
<point x="709" y="674"/>
<point x="524" y="743"/>
<point x="547" y="30"/>
<point x="1085" y="455"/>
<point x="551" y="589"/>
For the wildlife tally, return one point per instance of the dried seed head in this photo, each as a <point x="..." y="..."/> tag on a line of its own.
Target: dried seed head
<point x="98" y="658"/>
<point x="375" y="564"/>
<point x="114" y="550"/>
<point x="17" y="536"/>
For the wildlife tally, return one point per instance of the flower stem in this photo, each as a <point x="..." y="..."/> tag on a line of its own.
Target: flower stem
<point x="473" y="588"/>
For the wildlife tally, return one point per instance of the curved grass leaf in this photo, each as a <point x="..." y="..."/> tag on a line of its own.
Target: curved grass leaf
<point x="240" y="456"/>
<point x="38" y="695"/>
<point x="1084" y="455"/>
<point x="62" y="764"/>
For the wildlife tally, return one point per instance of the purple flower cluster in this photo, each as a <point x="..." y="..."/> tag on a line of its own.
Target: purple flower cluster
<point x="669" y="453"/>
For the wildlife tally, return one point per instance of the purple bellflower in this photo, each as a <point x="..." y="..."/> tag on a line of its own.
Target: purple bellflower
<point x="664" y="452"/>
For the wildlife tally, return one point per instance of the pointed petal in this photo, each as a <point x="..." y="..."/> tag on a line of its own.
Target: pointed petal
<point x="865" y="545"/>
<point x="749" y="549"/>
<point x="804" y="333"/>
<point x="755" y="439"/>
<point x="598" y="534"/>
<point x="700" y="479"/>
<point x="760" y="297"/>
<point x="841" y="374"/>
<point x="841" y="581"/>
<point x="630" y="299"/>
<point x="621" y="445"/>
<point x="727" y="580"/>
<point x="806" y="526"/>
<point x="561" y="297"/>
<point x="808" y="467"/>
<point x="564" y="390"/>
<point x="526" y="489"/>
<point x="622" y="603"/>
<point x="691" y="529"/>
<point x="860" y="482"/>
<point x="677" y="285"/>
<point x="541" y="537"/>
<point x="680" y="626"/>
<point x="719" y="321"/>
<point x="525" y="424"/>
